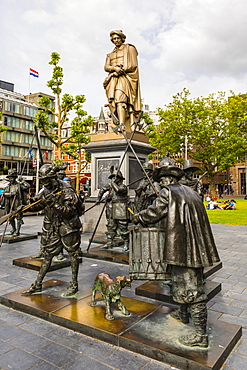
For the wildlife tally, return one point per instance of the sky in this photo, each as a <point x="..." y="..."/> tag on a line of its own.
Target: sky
<point x="195" y="44"/>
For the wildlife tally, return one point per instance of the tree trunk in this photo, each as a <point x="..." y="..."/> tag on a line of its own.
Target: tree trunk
<point x="78" y="173"/>
<point x="212" y="189"/>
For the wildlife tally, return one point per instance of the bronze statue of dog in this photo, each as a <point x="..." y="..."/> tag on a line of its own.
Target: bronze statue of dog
<point x="111" y="292"/>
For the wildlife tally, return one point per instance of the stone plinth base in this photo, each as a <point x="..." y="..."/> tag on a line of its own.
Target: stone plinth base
<point x="148" y="330"/>
<point x="15" y="239"/>
<point x="34" y="264"/>
<point x="111" y="255"/>
<point x="161" y="292"/>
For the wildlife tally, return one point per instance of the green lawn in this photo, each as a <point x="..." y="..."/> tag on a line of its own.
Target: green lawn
<point x="237" y="217"/>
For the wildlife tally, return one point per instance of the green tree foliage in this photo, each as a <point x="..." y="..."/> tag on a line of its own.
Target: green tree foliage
<point x="52" y="120"/>
<point x="213" y="127"/>
<point x="79" y="130"/>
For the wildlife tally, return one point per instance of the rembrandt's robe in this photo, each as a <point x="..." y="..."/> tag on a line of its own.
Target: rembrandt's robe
<point x="124" y="88"/>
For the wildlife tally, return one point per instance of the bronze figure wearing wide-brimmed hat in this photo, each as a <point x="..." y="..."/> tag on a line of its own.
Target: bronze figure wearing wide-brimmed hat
<point x="115" y="172"/>
<point x="144" y="193"/>
<point x="15" y="195"/>
<point x="189" y="166"/>
<point x="167" y="168"/>
<point x="12" y="173"/>
<point x="189" y="180"/>
<point x="188" y="246"/>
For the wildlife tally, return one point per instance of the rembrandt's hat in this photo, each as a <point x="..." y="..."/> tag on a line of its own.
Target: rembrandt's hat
<point x="188" y="165"/>
<point x="167" y="167"/>
<point x="115" y="172"/>
<point x="12" y="173"/>
<point x="119" y="33"/>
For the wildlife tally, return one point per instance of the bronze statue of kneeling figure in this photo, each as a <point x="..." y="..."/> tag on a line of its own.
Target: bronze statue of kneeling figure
<point x="111" y="292"/>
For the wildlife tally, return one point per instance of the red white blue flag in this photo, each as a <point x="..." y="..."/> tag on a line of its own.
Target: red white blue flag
<point x="34" y="73"/>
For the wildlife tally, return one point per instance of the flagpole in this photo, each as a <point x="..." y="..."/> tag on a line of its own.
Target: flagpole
<point x="38" y="162"/>
<point x="28" y="86"/>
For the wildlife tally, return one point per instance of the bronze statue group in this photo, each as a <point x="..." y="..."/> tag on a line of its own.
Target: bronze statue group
<point x="188" y="244"/>
<point x="168" y="203"/>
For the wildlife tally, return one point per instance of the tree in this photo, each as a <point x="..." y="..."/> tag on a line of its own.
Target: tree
<point x="79" y="131"/>
<point x="52" y="120"/>
<point x="213" y="128"/>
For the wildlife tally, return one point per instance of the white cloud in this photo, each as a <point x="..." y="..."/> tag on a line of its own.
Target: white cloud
<point x="198" y="44"/>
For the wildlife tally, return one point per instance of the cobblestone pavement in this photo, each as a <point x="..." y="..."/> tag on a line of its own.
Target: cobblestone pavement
<point x="27" y="342"/>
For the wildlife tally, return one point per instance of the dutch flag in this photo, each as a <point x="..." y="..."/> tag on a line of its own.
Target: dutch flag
<point x="34" y="73"/>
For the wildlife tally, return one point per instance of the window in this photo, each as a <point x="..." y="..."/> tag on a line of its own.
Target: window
<point x="11" y="121"/>
<point x="27" y="139"/>
<point x="33" y="112"/>
<point x="30" y="111"/>
<point x="12" y="107"/>
<point x="28" y="125"/>
<point x="11" y="150"/>
<point x="11" y="136"/>
<point x="45" y="141"/>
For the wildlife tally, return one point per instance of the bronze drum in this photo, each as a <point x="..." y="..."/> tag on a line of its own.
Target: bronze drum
<point x="146" y="254"/>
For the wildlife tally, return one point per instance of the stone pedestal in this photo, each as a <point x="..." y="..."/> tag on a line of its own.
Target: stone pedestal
<point x="108" y="150"/>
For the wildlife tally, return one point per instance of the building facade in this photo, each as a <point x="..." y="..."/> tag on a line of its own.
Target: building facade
<point x="18" y="149"/>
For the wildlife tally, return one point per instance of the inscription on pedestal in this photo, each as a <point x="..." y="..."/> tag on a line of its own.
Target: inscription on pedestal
<point x="103" y="170"/>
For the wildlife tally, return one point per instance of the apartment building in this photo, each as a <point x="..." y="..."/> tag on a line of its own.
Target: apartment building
<point x="18" y="149"/>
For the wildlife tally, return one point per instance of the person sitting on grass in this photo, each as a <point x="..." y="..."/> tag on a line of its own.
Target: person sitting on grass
<point x="231" y="205"/>
<point x="213" y="204"/>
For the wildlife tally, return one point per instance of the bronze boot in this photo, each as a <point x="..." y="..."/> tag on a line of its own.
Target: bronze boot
<point x="181" y="314"/>
<point x="199" y="337"/>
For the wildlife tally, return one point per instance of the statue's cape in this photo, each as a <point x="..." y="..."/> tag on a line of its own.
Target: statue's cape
<point x="189" y="240"/>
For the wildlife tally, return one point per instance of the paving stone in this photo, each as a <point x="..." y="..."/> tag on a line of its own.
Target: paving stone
<point x="238" y="296"/>
<point x="214" y="314"/>
<point x="29" y="342"/>
<point x="236" y="361"/>
<point x="220" y="299"/>
<point x="123" y="360"/>
<point x="15" y="317"/>
<point x="92" y="348"/>
<point x="38" y="326"/>
<point x="86" y="363"/>
<point x="244" y="314"/>
<point x="56" y="354"/>
<point x="9" y="331"/>
<point x="239" y="304"/>
<point x="157" y="366"/>
<point x="226" y="309"/>
<point x="234" y="320"/>
<point x="5" y="286"/>
<point x="242" y="347"/>
<point x="18" y="360"/>
<point x="64" y="336"/>
<point x="5" y="347"/>
<point x="44" y="366"/>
